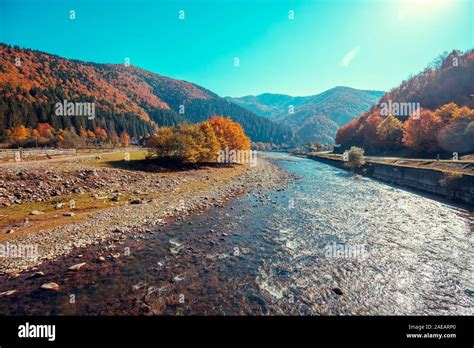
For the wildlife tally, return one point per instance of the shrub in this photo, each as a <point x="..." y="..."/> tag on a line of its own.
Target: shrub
<point x="355" y="158"/>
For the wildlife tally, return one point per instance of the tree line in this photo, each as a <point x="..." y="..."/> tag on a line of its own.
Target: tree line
<point x="46" y="135"/>
<point x="444" y="122"/>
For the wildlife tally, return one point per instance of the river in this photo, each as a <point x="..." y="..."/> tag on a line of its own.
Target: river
<point x="333" y="243"/>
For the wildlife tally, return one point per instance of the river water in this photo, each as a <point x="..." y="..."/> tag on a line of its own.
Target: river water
<point x="333" y="243"/>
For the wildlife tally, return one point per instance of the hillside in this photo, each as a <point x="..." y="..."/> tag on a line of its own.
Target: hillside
<point x="126" y="98"/>
<point x="444" y="122"/>
<point x="316" y="117"/>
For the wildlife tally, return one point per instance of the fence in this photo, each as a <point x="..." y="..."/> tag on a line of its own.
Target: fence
<point x="19" y="154"/>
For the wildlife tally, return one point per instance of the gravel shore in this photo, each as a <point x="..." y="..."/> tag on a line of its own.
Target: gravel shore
<point x="180" y="194"/>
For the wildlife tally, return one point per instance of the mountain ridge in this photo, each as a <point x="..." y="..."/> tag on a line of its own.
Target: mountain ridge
<point x="128" y="98"/>
<point x="324" y="112"/>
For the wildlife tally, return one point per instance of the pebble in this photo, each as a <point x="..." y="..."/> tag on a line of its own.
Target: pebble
<point x="7" y="293"/>
<point x="50" y="286"/>
<point x="77" y="267"/>
<point x="36" y="275"/>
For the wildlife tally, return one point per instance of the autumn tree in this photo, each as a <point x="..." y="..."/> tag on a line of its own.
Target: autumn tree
<point x="198" y="143"/>
<point x="83" y="133"/>
<point x="91" y="136"/>
<point x="100" y="134"/>
<point x="390" y="133"/>
<point x="35" y="136"/>
<point x="446" y="112"/>
<point x="420" y="133"/>
<point x="458" y="134"/>
<point x="45" y="130"/>
<point x="229" y="134"/>
<point x="209" y="144"/>
<point x="18" y="134"/>
<point x="369" y="130"/>
<point x="125" y="139"/>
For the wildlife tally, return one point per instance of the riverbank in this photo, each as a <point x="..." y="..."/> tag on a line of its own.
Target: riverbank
<point x="453" y="180"/>
<point x="266" y="253"/>
<point x="111" y="201"/>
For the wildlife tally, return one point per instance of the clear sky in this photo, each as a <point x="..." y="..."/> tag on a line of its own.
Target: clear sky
<point x="367" y="44"/>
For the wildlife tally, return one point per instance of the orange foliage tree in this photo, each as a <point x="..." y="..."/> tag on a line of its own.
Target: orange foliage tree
<point x="229" y="134"/>
<point x="18" y="134"/>
<point x="100" y="134"/>
<point x="420" y="133"/>
<point x="125" y="139"/>
<point x="390" y="133"/>
<point x="458" y="133"/>
<point x="45" y="130"/>
<point x="199" y="143"/>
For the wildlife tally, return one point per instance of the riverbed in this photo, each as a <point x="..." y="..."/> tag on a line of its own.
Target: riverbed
<point x="331" y="243"/>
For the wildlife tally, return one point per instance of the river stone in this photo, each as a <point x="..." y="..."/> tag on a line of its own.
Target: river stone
<point x="77" y="267"/>
<point x="36" y="275"/>
<point x="50" y="286"/>
<point x="7" y="293"/>
<point x="115" y="197"/>
<point x="36" y="212"/>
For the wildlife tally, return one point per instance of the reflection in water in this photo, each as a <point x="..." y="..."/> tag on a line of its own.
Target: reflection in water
<point x="332" y="243"/>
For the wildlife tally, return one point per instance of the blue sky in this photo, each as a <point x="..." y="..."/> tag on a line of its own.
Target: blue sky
<point x="367" y="44"/>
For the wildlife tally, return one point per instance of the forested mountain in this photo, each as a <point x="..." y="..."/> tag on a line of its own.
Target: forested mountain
<point x="444" y="122"/>
<point x="127" y="98"/>
<point x="313" y="118"/>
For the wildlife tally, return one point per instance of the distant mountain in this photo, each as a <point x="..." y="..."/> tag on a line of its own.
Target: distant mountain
<point x="126" y="98"/>
<point x="312" y="118"/>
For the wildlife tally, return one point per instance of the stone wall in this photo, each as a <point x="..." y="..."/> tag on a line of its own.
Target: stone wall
<point x="458" y="187"/>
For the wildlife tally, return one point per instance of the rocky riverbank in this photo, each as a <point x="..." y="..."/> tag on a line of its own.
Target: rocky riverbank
<point x="168" y="195"/>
